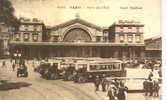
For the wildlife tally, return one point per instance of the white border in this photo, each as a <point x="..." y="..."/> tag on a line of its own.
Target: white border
<point x="164" y="47"/>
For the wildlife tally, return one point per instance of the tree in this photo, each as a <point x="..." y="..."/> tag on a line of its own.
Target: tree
<point x="7" y="14"/>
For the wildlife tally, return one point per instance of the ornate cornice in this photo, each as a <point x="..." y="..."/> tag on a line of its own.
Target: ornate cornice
<point x="77" y="20"/>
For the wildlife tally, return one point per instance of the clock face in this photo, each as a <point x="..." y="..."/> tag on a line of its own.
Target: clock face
<point x="77" y="35"/>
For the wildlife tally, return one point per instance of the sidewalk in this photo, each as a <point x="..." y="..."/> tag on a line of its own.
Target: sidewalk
<point x="130" y="96"/>
<point x="103" y="95"/>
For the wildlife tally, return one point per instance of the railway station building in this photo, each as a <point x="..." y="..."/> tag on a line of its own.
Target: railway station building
<point x="5" y="32"/>
<point x="79" y="38"/>
<point x="153" y="47"/>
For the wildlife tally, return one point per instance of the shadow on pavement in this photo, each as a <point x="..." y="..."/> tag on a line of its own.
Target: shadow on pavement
<point x="5" y="85"/>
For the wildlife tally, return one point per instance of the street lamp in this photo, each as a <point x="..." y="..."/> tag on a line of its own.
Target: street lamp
<point x="17" y="56"/>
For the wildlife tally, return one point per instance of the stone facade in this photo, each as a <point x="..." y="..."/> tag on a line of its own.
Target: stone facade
<point x="125" y="31"/>
<point x="29" y="31"/>
<point x="153" y="47"/>
<point x="62" y="30"/>
<point x="79" y="38"/>
<point x="5" y="32"/>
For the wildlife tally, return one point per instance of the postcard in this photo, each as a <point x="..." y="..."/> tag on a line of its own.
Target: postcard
<point x="80" y="50"/>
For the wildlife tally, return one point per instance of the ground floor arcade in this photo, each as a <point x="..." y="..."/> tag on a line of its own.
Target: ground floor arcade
<point x="86" y="50"/>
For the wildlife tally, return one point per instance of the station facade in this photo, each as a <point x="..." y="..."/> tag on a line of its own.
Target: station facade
<point x="153" y="47"/>
<point x="79" y="38"/>
<point x="4" y="39"/>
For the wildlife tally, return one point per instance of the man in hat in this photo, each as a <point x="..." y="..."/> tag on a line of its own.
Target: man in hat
<point x="156" y="88"/>
<point x="111" y="92"/>
<point x="104" y="83"/>
<point x="97" y="82"/>
<point x="150" y="87"/>
<point x="116" y="83"/>
<point x="121" y="92"/>
<point x="145" y="87"/>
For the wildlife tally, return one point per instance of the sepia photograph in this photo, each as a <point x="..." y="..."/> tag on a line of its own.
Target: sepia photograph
<point x="81" y="50"/>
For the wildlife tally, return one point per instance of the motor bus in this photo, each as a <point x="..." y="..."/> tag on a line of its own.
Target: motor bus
<point x="87" y="70"/>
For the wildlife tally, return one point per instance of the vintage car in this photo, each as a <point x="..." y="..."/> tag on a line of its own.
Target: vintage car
<point x="22" y="71"/>
<point x="48" y="70"/>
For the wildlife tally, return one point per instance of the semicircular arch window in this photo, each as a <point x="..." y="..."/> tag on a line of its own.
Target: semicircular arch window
<point x="77" y="35"/>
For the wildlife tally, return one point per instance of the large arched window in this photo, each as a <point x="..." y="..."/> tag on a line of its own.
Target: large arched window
<point x="77" y="35"/>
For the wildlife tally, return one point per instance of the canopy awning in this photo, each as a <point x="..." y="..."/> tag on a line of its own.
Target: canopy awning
<point x="74" y="44"/>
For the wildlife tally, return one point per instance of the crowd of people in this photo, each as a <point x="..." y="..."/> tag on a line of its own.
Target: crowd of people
<point x="151" y="86"/>
<point x="116" y="90"/>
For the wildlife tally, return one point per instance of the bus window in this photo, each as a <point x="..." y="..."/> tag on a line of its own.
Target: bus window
<point x="98" y="67"/>
<point x="91" y="67"/>
<point x="113" y="66"/>
<point x="107" y="67"/>
<point x="102" y="67"/>
<point x="84" y="66"/>
<point x="119" y="66"/>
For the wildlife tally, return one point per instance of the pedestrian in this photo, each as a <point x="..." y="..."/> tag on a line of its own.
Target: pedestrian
<point x="121" y="92"/>
<point x="151" y="66"/>
<point x="116" y="83"/>
<point x="150" y="76"/>
<point x="111" y="92"/>
<point x="4" y="64"/>
<point x="104" y="82"/>
<point x="97" y="83"/>
<point x="160" y="72"/>
<point x="156" y="88"/>
<point x="13" y="66"/>
<point x="150" y="87"/>
<point x="145" y="87"/>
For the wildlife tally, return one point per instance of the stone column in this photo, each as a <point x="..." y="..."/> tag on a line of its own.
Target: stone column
<point x="99" y="51"/>
<point x="134" y="38"/>
<point x="116" y="52"/>
<point x="134" y="53"/>
<point x="117" y="38"/>
<point x="123" y="52"/>
<point x="125" y="38"/>
<point x="130" y="53"/>
<point x="58" y="51"/>
<point x="90" y="51"/>
<point x="142" y="53"/>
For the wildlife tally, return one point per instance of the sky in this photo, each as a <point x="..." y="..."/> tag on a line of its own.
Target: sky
<point x="99" y="12"/>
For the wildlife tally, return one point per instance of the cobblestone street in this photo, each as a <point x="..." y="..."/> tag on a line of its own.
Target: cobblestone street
<point x="36" y="88"/>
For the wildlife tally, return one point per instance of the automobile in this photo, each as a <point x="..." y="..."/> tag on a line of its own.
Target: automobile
<point x="22" y="71"/>
<point x="69" y="73"/>
<point x="48" y="70"/>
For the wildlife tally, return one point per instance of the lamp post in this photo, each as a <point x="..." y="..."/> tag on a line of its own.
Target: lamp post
<point x="17" y="57"/>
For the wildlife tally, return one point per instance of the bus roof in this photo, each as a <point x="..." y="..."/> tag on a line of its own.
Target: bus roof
<point x="106" y="61"/>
